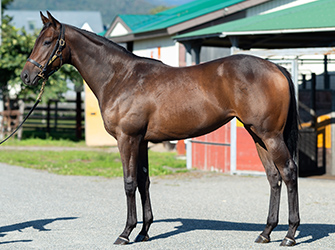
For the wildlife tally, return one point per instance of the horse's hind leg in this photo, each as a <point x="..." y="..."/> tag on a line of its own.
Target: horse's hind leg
<point x="289" y="172"/>
<point x="275" y="182"/>
<point x="279" y="154"/>
<point x="143" y="187"/>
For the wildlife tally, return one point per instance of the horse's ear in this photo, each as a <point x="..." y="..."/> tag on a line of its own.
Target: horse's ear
<point x="53" y="20"/>
<point x="45" y="20"/>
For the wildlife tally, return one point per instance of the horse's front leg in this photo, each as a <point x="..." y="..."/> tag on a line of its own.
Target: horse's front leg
<point x="129" y="151"/>
<point x="143" y="187"/>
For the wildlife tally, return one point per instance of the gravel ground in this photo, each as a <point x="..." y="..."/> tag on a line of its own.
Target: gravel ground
<point x="192" y="211"/>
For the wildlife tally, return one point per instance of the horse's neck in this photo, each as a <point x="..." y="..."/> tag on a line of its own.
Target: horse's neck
<point x="96" y="60"/>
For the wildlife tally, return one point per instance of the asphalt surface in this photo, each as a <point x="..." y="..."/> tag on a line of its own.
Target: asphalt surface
<point x="192" y="211"/>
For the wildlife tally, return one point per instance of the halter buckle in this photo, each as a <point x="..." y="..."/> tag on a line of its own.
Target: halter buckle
<point x="61" y="42"/>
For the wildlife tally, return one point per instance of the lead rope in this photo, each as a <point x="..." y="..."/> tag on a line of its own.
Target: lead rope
<point x="39" y="97"/>
<point x="38" y="100"/>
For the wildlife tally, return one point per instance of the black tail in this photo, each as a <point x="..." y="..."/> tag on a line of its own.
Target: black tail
<point x="291" y="131"/>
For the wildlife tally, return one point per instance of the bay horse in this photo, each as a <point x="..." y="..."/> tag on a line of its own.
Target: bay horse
<point x="144" y="100"/>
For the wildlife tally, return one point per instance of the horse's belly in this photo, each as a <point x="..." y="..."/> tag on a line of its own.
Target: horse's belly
<point x="189" y="123"/>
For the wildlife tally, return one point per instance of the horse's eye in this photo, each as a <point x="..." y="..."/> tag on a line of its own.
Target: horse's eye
<point x="47" y="42"/>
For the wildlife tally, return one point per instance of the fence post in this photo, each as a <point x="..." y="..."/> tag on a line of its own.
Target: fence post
<point x="188" y="144"/>
<point x="56" y="114"/>
<point x="78" y="116"/>
<point x="48" y="117"/>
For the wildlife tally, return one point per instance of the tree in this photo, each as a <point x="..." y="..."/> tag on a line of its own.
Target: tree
<point x="14" y="51"/>
<point x="159" y="9"/>
<point x="4" y="4"/>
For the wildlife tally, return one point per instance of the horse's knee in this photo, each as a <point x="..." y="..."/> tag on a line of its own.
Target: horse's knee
<point x="276" y="186"/>
<point x="130" y="186"/>
<point x="274" y="178"/>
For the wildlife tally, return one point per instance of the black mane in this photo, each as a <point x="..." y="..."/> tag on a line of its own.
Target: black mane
<point x="100" y="39"/>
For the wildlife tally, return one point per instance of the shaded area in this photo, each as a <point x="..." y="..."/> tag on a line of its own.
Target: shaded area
<point x="316" y="231"/>
<point x="315" y="107"/>
<point x="36" y="224"/>
<point x="14" y="241"/>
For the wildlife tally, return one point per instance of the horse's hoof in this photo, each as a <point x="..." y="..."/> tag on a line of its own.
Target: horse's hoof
<point x="121" y="241"/>
<point x="262" y="239"/>
<point x="141" y="238"/>
<point x="287" y="242"/>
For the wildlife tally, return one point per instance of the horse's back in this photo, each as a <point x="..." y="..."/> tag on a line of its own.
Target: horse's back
<point x="201" y="98"/>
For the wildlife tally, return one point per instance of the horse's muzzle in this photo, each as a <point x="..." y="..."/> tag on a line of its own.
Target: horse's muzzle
<point x="27" y="79"/>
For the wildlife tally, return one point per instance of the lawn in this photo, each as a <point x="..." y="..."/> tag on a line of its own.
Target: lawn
<point x="78" y="162"/>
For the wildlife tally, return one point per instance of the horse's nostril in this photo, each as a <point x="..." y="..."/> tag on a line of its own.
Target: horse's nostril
<point x="25" y="77"/>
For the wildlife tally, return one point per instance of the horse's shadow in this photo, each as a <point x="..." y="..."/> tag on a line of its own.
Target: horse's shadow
<point x="36" y="224"/>
<point x="316" y="231"/>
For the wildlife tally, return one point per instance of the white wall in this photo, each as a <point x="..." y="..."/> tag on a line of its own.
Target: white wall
<point x="275" y="5"/>
<point x="163" y="49"/>
<point x="310" y="61"/>
<point x="119" y="30"/>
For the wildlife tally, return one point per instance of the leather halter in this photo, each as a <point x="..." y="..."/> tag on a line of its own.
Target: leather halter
<point x="56" y="53"/>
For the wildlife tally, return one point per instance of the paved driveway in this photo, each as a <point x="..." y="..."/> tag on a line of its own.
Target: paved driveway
<point x="194" y="211"/>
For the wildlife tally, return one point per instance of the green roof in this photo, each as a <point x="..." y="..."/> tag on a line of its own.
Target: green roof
<point x="165" y="19"/>
<point x="314" y="15"/>
<point x="133" y="21"/>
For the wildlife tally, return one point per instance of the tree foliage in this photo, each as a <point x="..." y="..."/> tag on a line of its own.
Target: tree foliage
<point x="14" y="51"/>
<point x="160" y="9"/>
<point x="5" y="3"/>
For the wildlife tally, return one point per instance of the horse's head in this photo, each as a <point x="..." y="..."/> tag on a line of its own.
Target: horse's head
<point x="49" y="52"/>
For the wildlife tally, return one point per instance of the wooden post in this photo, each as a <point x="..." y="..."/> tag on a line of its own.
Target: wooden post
<point x="56" y="114"/>
<point x="48" y="117"/>
<point x="78" y="116"/>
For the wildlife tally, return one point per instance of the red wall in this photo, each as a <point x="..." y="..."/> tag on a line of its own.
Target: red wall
<point x="246" y="154"/>
<point x="213" y="157"/>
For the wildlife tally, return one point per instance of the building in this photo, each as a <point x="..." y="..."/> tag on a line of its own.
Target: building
<point x="300" y="36"/>
<point x="297" y="34"/>
<point x="152" y="35"/>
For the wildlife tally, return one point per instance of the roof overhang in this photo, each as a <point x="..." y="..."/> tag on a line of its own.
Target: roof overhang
<point x="284" y="31"/>
<point x="198" y="22"/>
<point x="307" y="25"/>
<point x="269" y="39"/>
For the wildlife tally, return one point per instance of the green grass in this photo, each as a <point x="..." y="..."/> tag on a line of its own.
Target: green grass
<point x="38" y="142"/>
<point x="87" y="163"/>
